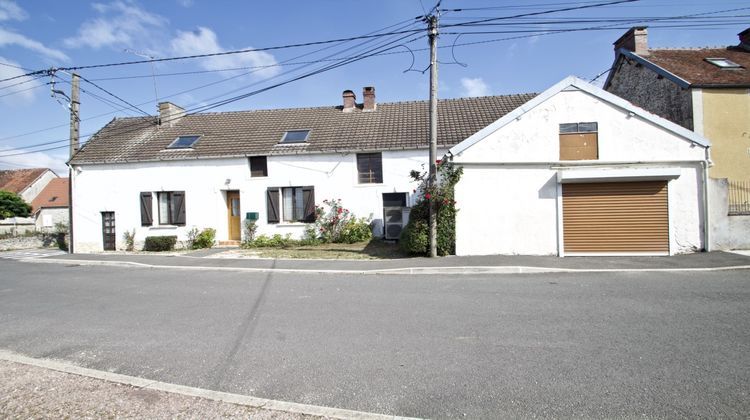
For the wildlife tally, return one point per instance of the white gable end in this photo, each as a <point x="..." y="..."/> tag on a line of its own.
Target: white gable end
<point x="625" y="133"/>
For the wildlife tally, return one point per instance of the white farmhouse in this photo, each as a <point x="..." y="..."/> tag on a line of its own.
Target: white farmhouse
<point x="579" y="171"/>
<point x="165" y="175"/>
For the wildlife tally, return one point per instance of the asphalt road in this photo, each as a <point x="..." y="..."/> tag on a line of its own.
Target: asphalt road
<point x="551" y="345"/>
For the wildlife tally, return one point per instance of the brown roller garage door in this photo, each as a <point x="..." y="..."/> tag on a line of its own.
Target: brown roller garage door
<point x="616" y="217"/>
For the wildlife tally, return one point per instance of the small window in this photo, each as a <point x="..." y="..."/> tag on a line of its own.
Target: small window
<point x="724" y="63"/>
<point x="370" y="168"/>
<point x="295" y="136"/>
<point x="579" y="141"/>
<point x="171" y="206"/>
<point x="183" y="142"/>
<point x="258" y="166"/>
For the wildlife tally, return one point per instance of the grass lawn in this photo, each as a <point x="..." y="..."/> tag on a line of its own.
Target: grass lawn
<point x="372" y="250"/>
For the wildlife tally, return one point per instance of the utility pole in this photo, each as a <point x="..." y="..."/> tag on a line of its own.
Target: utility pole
<point x="432" y="177"/>
<point x="74" y="136"/>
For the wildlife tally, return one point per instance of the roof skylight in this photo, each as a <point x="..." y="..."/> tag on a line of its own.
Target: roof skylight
<point x="723" y="63"/>
<point x="183" y="142"/>
<point x="295" y="136"/>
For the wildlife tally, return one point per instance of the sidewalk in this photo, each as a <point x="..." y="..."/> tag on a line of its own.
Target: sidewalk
<point x="452" y="264"/>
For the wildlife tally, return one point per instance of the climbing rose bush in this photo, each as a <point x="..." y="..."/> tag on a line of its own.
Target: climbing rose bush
<point x="415" y="236"/>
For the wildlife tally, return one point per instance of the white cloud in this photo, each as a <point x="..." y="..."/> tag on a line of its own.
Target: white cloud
<point x="185" y="3"/>
<point x="9" y="10"/>
<point x="12" y="38"/>
<point x="21" y="90"/>
<point x="204" y="41"/>
<point x="474" y="87"/>
<point x="121" y="24"/>
<point x="32" y="160"/>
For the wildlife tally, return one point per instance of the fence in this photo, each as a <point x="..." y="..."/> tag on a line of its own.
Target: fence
<point x="739" y="197"/>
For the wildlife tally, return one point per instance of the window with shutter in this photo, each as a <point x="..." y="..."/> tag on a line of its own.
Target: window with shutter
<point x="171" y="206"/>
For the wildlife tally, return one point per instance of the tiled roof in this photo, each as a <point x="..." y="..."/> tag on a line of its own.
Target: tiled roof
<point x="690" y="65"/>
<point x="55" y="194"/>
<point x="19" y="179"/>
<point x="400" y="125"/>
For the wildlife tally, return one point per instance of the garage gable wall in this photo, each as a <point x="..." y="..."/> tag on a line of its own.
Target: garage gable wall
<point x="534" y="137"/>
<point x="625" y="132"/>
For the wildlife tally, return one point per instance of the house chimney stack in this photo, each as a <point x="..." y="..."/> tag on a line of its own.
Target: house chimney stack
<point x="635" y="40"/>
<point x="745" y="39"/>
<point x="350" y="101"/>
<point x="369" y="93"/>
<point x="169" y="113"/>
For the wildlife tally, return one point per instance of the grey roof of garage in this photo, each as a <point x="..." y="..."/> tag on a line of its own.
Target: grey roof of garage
<point x="392" y="126"/>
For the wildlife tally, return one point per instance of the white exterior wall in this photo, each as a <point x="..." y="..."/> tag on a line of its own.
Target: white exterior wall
<point x="509" y="198"/>
<point x="46" y="218"/>
<point x="116" y="187"/>
<point x="30" y="193"/>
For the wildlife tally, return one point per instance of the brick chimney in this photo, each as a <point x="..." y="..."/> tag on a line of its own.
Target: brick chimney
<point x="350" y="101"/>
<point x="369" y="93"/>
<point x="635" y="40"/>
<point x="169" y="113"/>
<point x="745" y="39"/>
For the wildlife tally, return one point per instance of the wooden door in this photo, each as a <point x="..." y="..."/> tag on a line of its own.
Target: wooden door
<point x="233" y="215"/>
<point x="109" y="238"/>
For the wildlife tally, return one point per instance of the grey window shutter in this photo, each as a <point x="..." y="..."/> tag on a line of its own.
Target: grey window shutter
<point x="272" y="205"/>
<point x="146" y="209"/>
<point x="308" y="195"/>
<point x="178" y="205"/>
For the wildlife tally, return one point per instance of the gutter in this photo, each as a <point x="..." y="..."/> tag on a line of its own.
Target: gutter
<point x="706" y="202"/>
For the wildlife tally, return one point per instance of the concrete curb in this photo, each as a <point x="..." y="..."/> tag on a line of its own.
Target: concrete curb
<point x="407" y="270"/>
<point x="245" y="400"/>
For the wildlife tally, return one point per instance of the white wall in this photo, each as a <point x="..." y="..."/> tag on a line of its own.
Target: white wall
<point x="30" y="193"/>
<point x="508" y="197"/>
<point x="46" y="218"/>
<point x="116" y="187"/>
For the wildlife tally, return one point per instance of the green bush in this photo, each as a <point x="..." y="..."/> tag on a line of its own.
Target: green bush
<point x="275" y="241"/>
<point x="159" y="243"/>
<point x="129" y="237"/>
<point x="204" y="239"/>
<point x="355" y="230"/>
<point x="414" y="238"/>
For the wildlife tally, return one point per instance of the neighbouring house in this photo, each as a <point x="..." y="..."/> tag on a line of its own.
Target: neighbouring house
<point x="168" y="174"/>
<point x="51" y="206"/>
<point x="706" y="90"/>
<point x="27" y="183"/>
<point x="579" y="171"/>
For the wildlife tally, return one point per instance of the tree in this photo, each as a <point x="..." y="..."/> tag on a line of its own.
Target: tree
<point x="12" y="205"/>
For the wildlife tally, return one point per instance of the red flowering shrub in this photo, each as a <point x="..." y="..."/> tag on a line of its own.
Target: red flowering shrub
<point x="334" y="223"/>
<point x="415" y="236"/>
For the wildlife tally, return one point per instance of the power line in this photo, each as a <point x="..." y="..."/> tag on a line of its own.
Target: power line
<point x="544" y="12"/>
<point x="400" y="25"/>
<point x="114" y="96"/>
<point x="206" y="107"/>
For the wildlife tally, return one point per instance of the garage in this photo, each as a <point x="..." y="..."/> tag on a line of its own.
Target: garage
<point x="616" y="217"/>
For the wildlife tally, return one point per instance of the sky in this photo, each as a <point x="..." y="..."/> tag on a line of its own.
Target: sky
<point x="513" y="55"/>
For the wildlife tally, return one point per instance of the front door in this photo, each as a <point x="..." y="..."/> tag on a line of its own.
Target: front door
<point x="109" y="238"/>
<point x="233" y="215"/>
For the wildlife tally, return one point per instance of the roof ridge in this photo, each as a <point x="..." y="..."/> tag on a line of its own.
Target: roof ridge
<point x="707" y="47"/>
